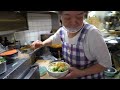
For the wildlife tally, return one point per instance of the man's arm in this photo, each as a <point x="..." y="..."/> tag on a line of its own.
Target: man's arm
<point x="74" y="73"/>
<point x="52" y="39"/>
<point x="47" y="42"/>
<point x="40" y="44"/>
<point x="98" y="49"/>
<point x="97" y="68"/>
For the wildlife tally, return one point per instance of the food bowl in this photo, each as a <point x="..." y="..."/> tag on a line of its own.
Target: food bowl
<point x="110" y="72"/>
<point x="58" y="69"/>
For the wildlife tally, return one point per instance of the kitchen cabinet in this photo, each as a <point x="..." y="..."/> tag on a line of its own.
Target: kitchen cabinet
<point x="13" y="21"/>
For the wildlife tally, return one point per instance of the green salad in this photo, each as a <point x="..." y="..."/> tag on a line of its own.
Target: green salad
<point x="58" y="67"/>
<point x="2" y="60"/>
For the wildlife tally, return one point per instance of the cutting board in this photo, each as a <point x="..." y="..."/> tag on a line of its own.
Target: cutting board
<point x="44" y="63"/>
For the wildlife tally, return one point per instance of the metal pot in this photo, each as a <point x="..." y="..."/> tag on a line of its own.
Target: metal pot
<point x="56" y="52"/>
<point x="3" y="67"/>
<point x="11" y="57"/>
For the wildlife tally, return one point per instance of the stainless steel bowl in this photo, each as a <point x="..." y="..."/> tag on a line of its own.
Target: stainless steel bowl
<point x="110" y="71"/>
<point x="3" y="66"/>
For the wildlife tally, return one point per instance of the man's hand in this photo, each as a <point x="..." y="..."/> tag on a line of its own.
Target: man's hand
<point x="74" y="73"/>
<point x="37" y="44"/>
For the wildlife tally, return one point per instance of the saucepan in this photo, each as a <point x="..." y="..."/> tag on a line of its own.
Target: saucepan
<point x="56" y="50"/>
<point x="10" y="55"/>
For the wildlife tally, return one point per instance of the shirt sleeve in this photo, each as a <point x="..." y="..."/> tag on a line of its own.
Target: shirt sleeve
<point x="56" y="37"/>
<point x="99" y="49"/>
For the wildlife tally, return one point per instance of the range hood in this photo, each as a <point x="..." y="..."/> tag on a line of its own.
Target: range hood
<point x="7" y="32"/>
<point x="13" y="20"/>
<point x="43" y="12"/>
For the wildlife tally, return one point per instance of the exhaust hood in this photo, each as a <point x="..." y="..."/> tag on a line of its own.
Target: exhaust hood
<point x="13" y="20"/>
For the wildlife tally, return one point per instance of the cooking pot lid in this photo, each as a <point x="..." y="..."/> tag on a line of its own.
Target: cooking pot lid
<point x="9" y="52"/>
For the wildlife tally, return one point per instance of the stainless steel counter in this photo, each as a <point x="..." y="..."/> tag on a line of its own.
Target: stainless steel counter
<point x="14" y="70"/>
<point x="21" y="69"/>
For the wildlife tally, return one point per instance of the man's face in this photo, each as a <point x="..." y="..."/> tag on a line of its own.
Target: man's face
<point x="72" y="19"/>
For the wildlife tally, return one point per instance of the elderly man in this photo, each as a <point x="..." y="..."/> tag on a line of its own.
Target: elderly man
<point x="83" y="46"/>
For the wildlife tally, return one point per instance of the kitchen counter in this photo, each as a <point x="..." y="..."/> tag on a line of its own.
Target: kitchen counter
<point x="45" y="63"/>
<point x="47" y="76"/>
<point x="15" y="69"/>
<point x="23" y="55"/>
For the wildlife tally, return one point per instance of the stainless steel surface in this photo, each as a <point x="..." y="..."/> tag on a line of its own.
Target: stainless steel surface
<point x="14" y="70"/>
<point x="3" y="68"/>
<point x="33" y="73"/>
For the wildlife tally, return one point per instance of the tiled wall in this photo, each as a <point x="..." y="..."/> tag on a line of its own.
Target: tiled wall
<point x="38" y="24"/>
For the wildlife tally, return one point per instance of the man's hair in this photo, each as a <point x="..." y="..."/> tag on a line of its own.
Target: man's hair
<point x="60" y="12"/>
<point x="86" y="13"/>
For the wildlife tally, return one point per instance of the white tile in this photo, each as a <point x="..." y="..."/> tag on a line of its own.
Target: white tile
<point x="36" y="33"/>
<point x="33" y="38"/>
<point x="22" y="41"/>
<point x="31" y="34"/>
<point x="27" y="34"/>
<point x="38" y="24"/>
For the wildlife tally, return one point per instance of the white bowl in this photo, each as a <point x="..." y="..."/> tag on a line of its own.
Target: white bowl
<point x="57" y="74"/>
